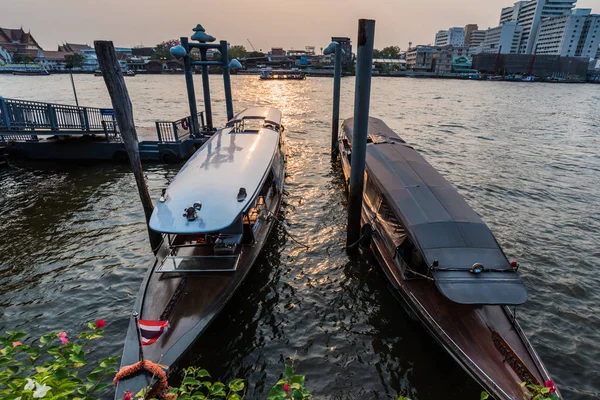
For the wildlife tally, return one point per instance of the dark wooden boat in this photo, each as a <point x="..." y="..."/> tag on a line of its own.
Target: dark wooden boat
<point x="444" y="262"/>
<point x="216" y="216"/>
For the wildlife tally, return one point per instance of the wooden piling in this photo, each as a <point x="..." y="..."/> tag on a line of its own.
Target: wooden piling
<point x="362" y="94"/>
<point x="113" y="78"/>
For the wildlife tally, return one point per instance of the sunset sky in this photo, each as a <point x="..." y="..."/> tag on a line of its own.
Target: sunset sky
<point x="267" y="23"/>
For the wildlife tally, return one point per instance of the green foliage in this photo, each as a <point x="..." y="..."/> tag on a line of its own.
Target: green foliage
<point x="536" y="392"/>
<point x="237" y="51"/>
<point x="50" y="367"/>
<point x="255" y="54"/>
<point x="291" y="386"/>
<point x="391" y="52"/>
<point x="162" y="50"/>
<point x="74" y="60"/>
<point x="196" y="385"/>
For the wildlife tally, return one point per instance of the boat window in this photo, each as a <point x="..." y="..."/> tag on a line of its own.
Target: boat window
<point x="248" y="125"/>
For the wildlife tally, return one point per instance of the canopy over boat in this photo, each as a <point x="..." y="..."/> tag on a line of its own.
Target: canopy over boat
<point x="237" y="157"/>
<point x="448" y="232"/>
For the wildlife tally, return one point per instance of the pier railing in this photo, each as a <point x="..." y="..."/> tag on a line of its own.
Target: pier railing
<point x="176" y="131"/>
<point x="23" y="115"/>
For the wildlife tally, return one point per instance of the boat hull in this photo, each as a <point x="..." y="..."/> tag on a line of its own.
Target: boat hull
<point x="486" y="341"/>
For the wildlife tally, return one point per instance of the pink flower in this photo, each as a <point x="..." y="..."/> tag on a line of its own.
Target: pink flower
<point x="286" y="387"/>
<point x="62" y="335"/>
<point x="15" y="344"/>
<point x="550" y="385"/>
<point x="128" y="395"/>
<point x="100" y="324"/>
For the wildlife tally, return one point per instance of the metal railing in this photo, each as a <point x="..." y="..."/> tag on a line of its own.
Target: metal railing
<point x="176" y="131"/>
<point x="18" y="138"/>
<point x="21" y="115"/>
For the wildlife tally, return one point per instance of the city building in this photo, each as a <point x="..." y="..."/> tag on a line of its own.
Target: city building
<point x="73" y="48"/>
<point x="574" y="35"/>
<point x="529" y="14"/>
<point x="476" y="38"/>
<point x="20" y="45"/>
<point x="420" y="58"/>
<point x="444" y="56"/>
<point x="503" y="39"/>
<point x="469" y="29"/>
<point x="453" y="36"/>
<point x="5" y="57"/>
<point x="278" y="51"/>
<point x="346" y="45"/>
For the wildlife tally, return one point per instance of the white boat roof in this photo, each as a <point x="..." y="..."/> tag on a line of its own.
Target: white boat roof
<point x="271" y="115"/>
<point x="214" y="175"/>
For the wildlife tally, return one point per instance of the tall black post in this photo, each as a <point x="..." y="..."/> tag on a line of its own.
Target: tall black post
<point x="226" y="79"/>
<point x="206" y="89"/>
<point x="189" y="82"/>
<point x="362" y="94"/>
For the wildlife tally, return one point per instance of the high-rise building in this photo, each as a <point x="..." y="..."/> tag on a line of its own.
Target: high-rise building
<point x="469" y="29"/>
<point x="454" y="36"/>
<point x="477" y="38"/>
<point x="574" y="35"/>
<point x="529" y="14"/>
<point x="503" y="39"/>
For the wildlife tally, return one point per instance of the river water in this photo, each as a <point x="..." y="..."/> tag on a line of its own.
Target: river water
<point x="73" y="245"/>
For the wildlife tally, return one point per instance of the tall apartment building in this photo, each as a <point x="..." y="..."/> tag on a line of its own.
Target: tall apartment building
<point x="574" y="35"/>
<point x="453" y="36"/>
<point x="346" y="45"/>
<point x="503" y="39"/>
<point x="469" y="29"/>
<point x="477" y="38"/>
<point x="529" y="14"/>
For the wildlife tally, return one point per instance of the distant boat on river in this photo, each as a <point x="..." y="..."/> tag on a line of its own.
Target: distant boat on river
<point x="282" y="74"/>
<point x="444" y="262"/>
<point x="216" y="216"/>
<point x="32" y="72"/>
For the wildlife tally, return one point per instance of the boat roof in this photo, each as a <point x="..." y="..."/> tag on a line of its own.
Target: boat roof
<point x="270" y="115"/>
<point x="444" y="227"/>
<point x="213" y="176"/>
<point x="378" y="131"/>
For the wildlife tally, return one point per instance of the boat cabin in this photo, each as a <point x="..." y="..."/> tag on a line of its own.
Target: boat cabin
<point x="222" y="195"/>
<point x="428" y="228"/>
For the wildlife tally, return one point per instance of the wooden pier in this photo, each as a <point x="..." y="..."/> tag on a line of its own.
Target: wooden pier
<point x="36" y="130"/>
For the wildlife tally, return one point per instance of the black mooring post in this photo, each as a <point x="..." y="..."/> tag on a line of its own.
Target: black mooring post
<point x="362" y="94"/>
<point x="226" y="80"/>
<point x="189" y="83"/>
<point x="206" y="89"/>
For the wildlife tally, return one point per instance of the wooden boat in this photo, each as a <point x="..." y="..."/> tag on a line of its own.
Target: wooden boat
<point x="444" y="262"/>
<point x="126" y="73"/>
<point x="282" y="74"/>
<point x="216" y="216"/>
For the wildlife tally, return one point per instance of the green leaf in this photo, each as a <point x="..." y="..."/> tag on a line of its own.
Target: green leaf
<point x="276" y="392"/>
<point x="237" y="385"/>
<point x="218" y="389"/>
<point x="191" y="381"/>
<point x="13" y="369"/>
<point x="485" y="395"/>
<point x="101" y="386"/>
<point x="289" y="371"/>
<point x="299" y="379"/>
<point x="202" y="374"/>
<point x="234" y="396"/>
<point x="61" y="373"/>
<point x="523" y="384"/>
<point x="77" y="357"/>
<point x="93" y="377"/>
<point x="545" y="390"/>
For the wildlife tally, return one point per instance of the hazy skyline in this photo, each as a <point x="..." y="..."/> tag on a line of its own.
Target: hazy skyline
<point x="267" y="23"/>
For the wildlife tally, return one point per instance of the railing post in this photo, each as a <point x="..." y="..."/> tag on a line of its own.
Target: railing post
<point x="52" y="117"/>
<point x="175" y="132"/>
<point x="226" y="80"/>
<point x="189" y="82"/>
<point x="86" y="119"/>
<point x="4" y="110"/>
<point x="362" y="93"/>
<point x="202" y="118"/>
<point x="158" y="131"/>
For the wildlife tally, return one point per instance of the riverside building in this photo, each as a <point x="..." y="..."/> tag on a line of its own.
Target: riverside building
<point x="453" y="36"/>
<point x="574" y="35"/>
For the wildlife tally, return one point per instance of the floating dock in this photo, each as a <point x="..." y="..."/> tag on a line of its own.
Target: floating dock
<point x="45" y="131"/>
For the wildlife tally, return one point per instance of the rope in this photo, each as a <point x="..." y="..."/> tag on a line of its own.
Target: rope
<point x="159" y="390"/>
<point x="288" y="232"/>
<point x="353" y="245"/>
